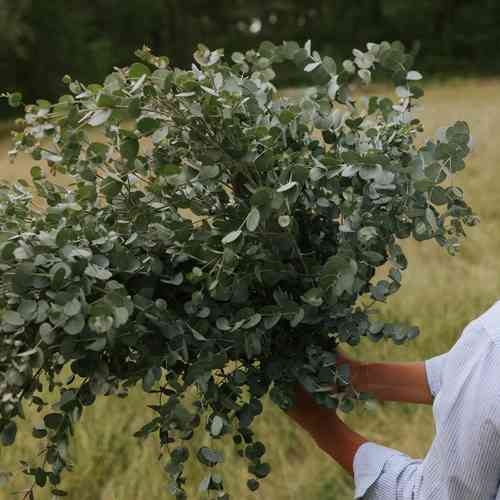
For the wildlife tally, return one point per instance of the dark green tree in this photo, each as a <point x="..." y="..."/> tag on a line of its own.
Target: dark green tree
<point x="40" y="41"/>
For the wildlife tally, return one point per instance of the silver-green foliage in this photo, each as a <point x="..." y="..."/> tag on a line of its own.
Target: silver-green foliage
<point x="209" y="238"/>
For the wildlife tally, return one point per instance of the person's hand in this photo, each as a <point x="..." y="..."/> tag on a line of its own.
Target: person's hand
<point x="312" y="417"/>
<point x="306" y="412"/>
<point x="309" y="414"/>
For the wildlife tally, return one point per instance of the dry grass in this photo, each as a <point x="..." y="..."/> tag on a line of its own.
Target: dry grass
<point x="441" y="295"/>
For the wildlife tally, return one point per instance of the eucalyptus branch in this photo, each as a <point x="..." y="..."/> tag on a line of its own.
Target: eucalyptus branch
<point x="204" y="242"/>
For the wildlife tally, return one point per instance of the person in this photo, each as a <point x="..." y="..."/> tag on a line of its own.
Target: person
<point x="463" y="386"/>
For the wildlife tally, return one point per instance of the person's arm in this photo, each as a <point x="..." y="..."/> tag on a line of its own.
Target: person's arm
<point x="410" y="382"/>
<point x="367" y="462"/>
<point x="462" y="462"/>
<point x="325" y="427"/>
<point x="404" y="382"/>
<point x="379" y="472"/>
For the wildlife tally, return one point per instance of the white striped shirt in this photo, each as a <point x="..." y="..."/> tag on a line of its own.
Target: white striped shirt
<point x="463" y="462"/>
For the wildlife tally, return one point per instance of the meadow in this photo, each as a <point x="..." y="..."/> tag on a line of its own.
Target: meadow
<point x="440" y="294"/>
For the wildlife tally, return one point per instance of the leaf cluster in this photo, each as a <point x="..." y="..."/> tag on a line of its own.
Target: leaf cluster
<point x="215" y="235"/>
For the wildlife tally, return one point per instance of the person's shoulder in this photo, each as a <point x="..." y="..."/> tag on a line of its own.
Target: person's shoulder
<point x="489" y="322"/>
<point x="480" y="336"/>
<point x="484" y="336"/>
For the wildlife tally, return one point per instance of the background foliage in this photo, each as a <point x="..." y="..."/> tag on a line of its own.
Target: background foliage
<point x="40" y="41"/>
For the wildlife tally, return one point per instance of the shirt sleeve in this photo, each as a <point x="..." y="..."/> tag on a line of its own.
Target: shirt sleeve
<point x="382" y="473"/>
<point x="434" y="371"/>
<point x="464" y="459"/>
<point x="385" y="473"/>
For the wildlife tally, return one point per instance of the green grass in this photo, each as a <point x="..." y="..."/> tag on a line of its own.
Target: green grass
<point x="440" y="294"/>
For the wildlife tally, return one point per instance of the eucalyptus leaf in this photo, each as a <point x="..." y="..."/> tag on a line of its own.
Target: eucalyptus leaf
<point x="47" y="333"/>
<point x="232" y="236"/>
<point x="27" y="309"/>
<point x="53" y="420"/>
<point x="75" y="325"/>
<point x="284" y="220"/>
<point x="8" y="434"/>
<point x="72" y="307"/>
<point x="253" y="219"/>
<point x="286" y="187"/>
<point x="99" y="117"/>
<point x="216" y="426"/>
<point x="413" y="75"/>
<point x="12" y="318"/>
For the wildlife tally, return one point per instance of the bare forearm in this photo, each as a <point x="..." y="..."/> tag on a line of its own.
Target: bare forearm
<point x="405" y="382"/>
<point x="326" y="428"/>
<point x="337" y="440"/>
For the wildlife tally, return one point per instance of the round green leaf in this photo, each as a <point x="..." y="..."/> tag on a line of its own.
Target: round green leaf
<point x="8" y="435"/>
<point x="137" y="70"/>
<point x="210" y="457"/>
<point x="15" y="99"/>
<point x="232" y="236"/>
<point x="72" y="307"/>
<point x="53" y="420"/>
<point x="413" y="75"/>
<point x="253" y="219"/>
<point x="47" y="333"/>
<point x="129" y="148"/>
<point x="216" y="426"/>
<point x="75" y="325"/>
<point x="286" y="187"/>
<point x="253" y="484"/>
<point x="99" y="117"/>
<point x="439" y="196"/>
<point x="27" y="309"/>
<point x="13" y="318"/>
<point x="36" y="173"/>
<point x="148" y="125"/>
<point x="284" y="220"/>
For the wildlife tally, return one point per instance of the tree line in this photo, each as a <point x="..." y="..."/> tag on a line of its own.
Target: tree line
<point x="42" y="41"/>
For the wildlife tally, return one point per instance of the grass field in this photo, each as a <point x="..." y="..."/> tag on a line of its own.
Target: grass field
<point x="441" y="295"/>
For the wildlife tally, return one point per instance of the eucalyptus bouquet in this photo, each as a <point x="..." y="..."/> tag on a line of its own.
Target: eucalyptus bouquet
<point x="210" y="240"/>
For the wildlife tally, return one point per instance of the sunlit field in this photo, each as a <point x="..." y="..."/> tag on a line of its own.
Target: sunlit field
<point x="440" y="294"/>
